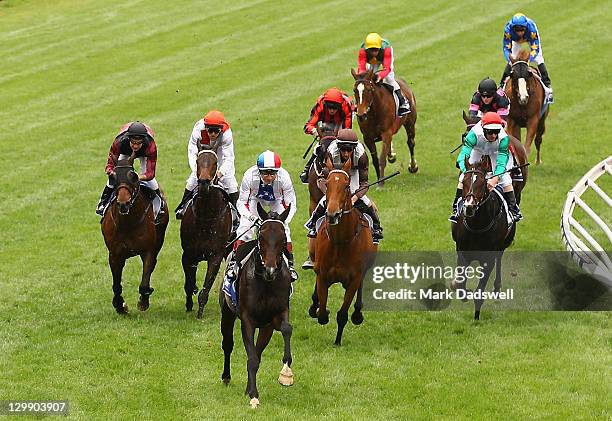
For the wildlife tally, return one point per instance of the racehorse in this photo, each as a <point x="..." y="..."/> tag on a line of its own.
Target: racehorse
<point x="526" y="96"/>
<point x="377" y="119"/>
<point x="481" y="232"/>
<point x="343" y="251"/>
<point x="519" y="154"/>
<point x="264" y="287"/>
<point x="205" y="229"/>
<point x="318" y="172"/>
<point x="129" y="230"/>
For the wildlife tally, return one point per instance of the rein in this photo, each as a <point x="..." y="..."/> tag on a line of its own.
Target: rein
<point x="479" y="205"/>
<point x="343" y="212"/>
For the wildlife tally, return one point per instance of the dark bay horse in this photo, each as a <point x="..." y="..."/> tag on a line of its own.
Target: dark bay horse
<point x="526" y="96"/>
<point x="205" y="230"/>
<point x="377" y="119"/>
<point x="129" y="230"/>
<point x="481" y="232"/>
<point x="318" y="172"/>
<point x="264" y="287"/>
<point x="519" y="154"/>
<point x="343" y="252"/>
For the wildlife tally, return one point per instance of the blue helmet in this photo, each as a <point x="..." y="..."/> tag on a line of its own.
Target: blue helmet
<point x="519" y="20"/>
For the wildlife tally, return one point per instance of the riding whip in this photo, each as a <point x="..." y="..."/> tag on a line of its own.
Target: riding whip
<point x="511" y="169"/>
<point x="376" y="182"/>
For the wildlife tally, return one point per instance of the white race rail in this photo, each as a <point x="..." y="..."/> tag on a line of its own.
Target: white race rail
<point x="585" y="250"/>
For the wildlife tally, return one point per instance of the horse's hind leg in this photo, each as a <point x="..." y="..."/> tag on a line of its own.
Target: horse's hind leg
<point x="286" y="375"/>
<point x="227" y="330"/>
<point x="312" y="311"/>
<point x="190" y="268"/>
<point x="410" y="133"/>
<point x="386" y="150"/>
<point x="148" y="265"/>
<point x="498" y="280"/>
<point x="211" y="273"/>
<point x="116" y="265"/>
<point x="322" y="291"/>
<point x="357" y="316"/>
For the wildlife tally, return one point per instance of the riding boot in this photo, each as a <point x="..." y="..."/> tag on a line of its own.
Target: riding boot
<point x="455" y="214"/>
<point x="515" y="212"/>
<point x="304" y="174"/>
<point x="312" y="222"/>
<point x="106" y="194"/>
<point x="161" y="207"/>
<point x="290" y="262"/>
<point x="506" y="73"/>
<point x="179" y="211"/>
<point x="377" y="231"/>
<point x="404" y="105"/>
<point x="231" y="271"/>
<point x="544" y="74"/>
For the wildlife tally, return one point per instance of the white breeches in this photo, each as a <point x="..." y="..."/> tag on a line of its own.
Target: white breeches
<point x="516" y="47"/>
<point x="227" y="182"/>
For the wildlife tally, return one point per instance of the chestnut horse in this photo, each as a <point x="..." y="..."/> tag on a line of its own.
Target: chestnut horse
<point x="343" y="251"/>
<point x="481" y="232"/>
<point x="526" y="96"/>
<point x="519" y="154"/>
<point x="129" y="230"/>
<point x="264" y="287"/>
<point x="378" y="121"/>
<point x="205" y="230"/>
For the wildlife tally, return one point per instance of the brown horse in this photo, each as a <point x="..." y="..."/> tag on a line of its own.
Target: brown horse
<point x="317" y="172"/>
<point x="481" y="232"/>
<point x="264" y="287"/>
<point x="343" y="251"/>
<point x="129" y="230"/>
<point x="519" y="154"/>
<point x="377" y="119"/>
<point x="526" y="96"/>
<point x="205" y="230"/>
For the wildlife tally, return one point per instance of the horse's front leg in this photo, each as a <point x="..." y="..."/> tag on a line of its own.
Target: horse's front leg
<point x="411" y="134"/>
<point x="228" y="317"/>
<point x="342" y="315"/>
<point x="286" y="375"/>
<point x="532" y="126"/>
<point x="357" y="316"/>
<point x="371" y="145"/>
<point x="248" y="334"/>
<point x="190" y="267"/>
<point x="482" y="284"/>
<point x="386" y="150"/>
<point x="312" y="311"/>
<point x="498" y="280"/>
<point x="322" y="312"/>
<point x="211" y="273"/>
<point x="116" y="264"/>
<point x="148" y="265"/>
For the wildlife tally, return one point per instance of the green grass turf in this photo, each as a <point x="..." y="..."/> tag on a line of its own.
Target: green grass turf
<point x="74" y="71"/>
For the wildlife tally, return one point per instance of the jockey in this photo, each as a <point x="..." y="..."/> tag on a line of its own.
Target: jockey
<point x="213" y="132"/>
<point x="488" y="137"/>
<point x="344" y="147"/>
<point x="269" y="185"/>
<point x="519" y="30"/>
<point x="333" y="107"/>
<point x="374" y="53"/>
<point x="488" y="98"/>
<point x="133" y="138"/>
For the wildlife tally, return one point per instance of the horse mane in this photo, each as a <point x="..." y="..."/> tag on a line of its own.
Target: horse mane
<point x="523" y="55"/>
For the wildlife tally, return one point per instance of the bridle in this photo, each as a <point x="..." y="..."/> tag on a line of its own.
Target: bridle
<point x="205" y="151"/>
<point x="259" y="248"/>
<point x="360" y="88"/>
<point x="471" y="191"/>
<point x="133" y="193"/>
<point x="478" y="205"/>
<point x="347" y="190"/>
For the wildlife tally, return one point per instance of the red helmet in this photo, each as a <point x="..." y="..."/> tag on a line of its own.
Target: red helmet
<point x="214" y="118"/>
<point x="491" y="121"/>
<point x="333" y="95"/>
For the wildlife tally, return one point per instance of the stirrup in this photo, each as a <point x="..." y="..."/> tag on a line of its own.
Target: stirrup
<point x="293" y="273"/>
<point x="403" y="110"/>
<point x="308" y="264"/>
<point x="304" y="177"/>
<point x="312" y="233"/>
<point x="453" y="218"/>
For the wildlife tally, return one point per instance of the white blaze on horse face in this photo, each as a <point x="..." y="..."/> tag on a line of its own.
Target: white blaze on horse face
<point x="360" y="89"/>
<point x="523" y="95"/>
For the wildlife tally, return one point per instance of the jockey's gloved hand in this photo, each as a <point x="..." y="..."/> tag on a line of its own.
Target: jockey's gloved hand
<point x="252" y="218"/>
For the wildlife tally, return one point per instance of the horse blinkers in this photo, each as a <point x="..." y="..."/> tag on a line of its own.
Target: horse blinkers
<point x="472" y="201"/>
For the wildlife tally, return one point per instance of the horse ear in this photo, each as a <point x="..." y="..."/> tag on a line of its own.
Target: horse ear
<point x="263" y="215"/>
<point x="370" y="74"/>
<point x="347" y="165"/>
<point x="329" y="164"/>
<point x="354" y="74"/>
<point x="512" y="58"/>
<point x="465" y="117"/>
<point x="467" y="163"/>
<point x="199" y="144"/>
<point x="131" y="158"/>
<point x="283" y="216"/>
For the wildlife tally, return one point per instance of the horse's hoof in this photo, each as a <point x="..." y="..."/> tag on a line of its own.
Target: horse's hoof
<point x="392" y="158"/>
<point x="254" y="403"/>
<point x="538" y="162"/>
<point x="324" y="318"/>
<point x="477" y="315"/>
<point x="188" y="307"/>
<point x="226" y="380"/>
<point x="412" y="169"/>
<point x="122" y="309"/>
<point x="286" y="376"/>
<point x="357" y="318"/>
<point x="454" y="285"/>
<point x="200" y="313"/>
<point x="312" y="312"/>
<point x="143" y="305"/>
